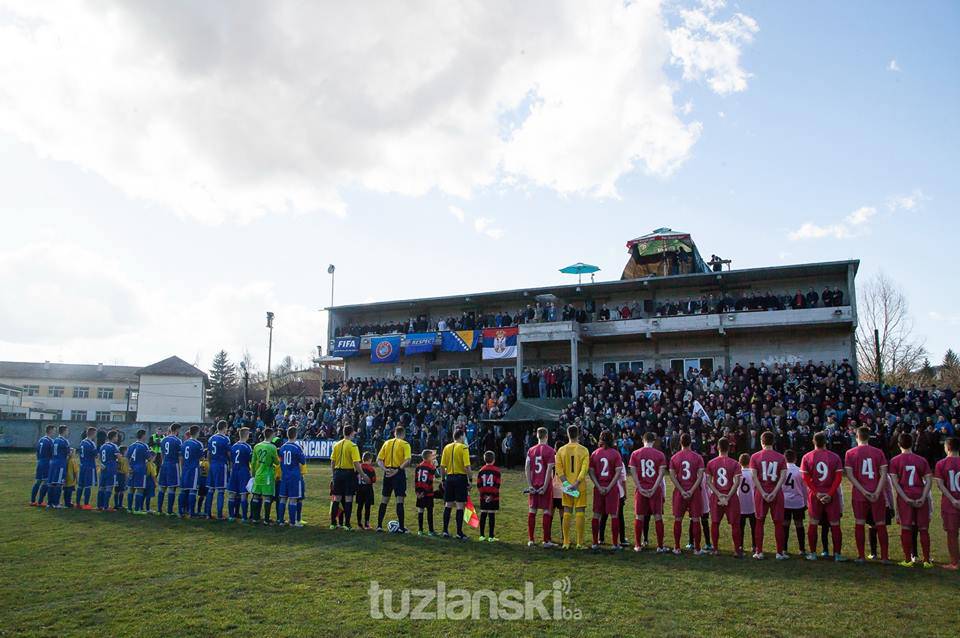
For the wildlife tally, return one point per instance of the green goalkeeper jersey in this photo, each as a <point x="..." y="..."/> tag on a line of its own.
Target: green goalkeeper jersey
<point x="265" y="459"/>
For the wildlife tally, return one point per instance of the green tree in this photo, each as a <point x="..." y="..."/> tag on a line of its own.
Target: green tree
<point x="950" y="370"/>
<point x="223" y="385"/>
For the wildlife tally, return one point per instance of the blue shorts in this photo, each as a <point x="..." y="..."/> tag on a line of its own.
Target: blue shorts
<point x="43" y="470"/>
<point x="108" y="478"/>
<point x="150" y="488"/>
<point x="291" y="487"/>
<point x="87" y="477"/>
<point x="169" y="475"/>
<point x="238" y="481"/>
<point x="455" y="489"/>
<point x="138" y="478"/>
<point x="344" y="482"/>
<point x="57" y="472"/>
<point x="217" y="477"/>
<point x="121" y="482"/>
<point x="190" y="479"/>
<point x="396" y="484"/>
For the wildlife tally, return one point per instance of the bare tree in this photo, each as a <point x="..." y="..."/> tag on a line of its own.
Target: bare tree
<point x="883" y="307"/>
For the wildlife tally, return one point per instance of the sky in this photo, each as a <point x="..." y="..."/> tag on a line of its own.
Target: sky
<point x="171" y="171"/>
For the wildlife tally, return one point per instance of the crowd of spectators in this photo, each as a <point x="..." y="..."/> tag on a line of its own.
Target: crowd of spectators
<point x="588" y="312"/>
<point x="546" y="383"/>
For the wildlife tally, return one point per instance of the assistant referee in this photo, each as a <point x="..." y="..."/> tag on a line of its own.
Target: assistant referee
<point x="455" y="466"/>
<point x="345" y="459"/>
<point x="393" y="459"/>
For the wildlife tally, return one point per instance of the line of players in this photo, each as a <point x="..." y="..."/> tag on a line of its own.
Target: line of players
<point x="748" y="490"/>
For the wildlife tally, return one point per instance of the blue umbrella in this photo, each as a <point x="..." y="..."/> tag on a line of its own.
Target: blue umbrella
<point x="579" y="269"/>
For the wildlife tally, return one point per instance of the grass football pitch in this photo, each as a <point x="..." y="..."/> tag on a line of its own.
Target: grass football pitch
<point x="80" y="573"/>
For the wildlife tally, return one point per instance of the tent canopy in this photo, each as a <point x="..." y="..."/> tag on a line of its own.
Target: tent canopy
<point x="662" y="252"/>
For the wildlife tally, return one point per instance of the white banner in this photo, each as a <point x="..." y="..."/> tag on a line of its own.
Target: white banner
<point x="316" y="448"/>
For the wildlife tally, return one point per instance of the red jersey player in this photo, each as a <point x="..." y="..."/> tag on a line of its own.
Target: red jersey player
<point x="605" y="464"/>
<point x="822" y="472"/>
<point x="723" y="481"/>
<point x="541" y="459"/>
<point x="647" y="467"/>
<point x="686" y="472"/>
<point x="947" y="474"/>
<point x="769" y="472"/>
<point x="866" y="468"/>
<point x="910" y="477"/>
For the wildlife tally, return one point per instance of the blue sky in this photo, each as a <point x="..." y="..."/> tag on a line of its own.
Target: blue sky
<point x="161" y="209"/>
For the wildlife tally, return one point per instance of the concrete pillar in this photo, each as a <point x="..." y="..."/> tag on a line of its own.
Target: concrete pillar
<point x="519" y="367"/>
<point x="575" y="368"/>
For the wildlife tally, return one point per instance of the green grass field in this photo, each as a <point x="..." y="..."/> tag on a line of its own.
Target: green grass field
<point x="66" y="573"/>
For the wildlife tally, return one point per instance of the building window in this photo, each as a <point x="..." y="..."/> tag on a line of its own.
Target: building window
<point x="78" y="415"/>
<point x="614" y="367"/>
<point x="58" y="415"/>
<point x="103" y="415"/>
<point x="501" y="373"/>
<point x="117" y="417"/>
<point x="31" y="390"/>
<point x="456" y="373"/>
<point x="104" y="393"/>
<point x="55" y="391"/>
<point x="81" y="392"/>
<point x="683" y="366"/>
<point x="131" y="394"/>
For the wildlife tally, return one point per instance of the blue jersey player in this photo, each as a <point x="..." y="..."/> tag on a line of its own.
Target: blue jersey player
<point x="218" y="453"/>
<point x="240" y="455"/>
<point x="291" y="478"/>
<point x="169" y="479"/>
<point x="137" y="455"/>
<point x="59" y="452"/>
<point x="109" y="455"/>
<point x="44" y="450"/>
<point x="87" y="477"/>
<point x="190" y="453"/>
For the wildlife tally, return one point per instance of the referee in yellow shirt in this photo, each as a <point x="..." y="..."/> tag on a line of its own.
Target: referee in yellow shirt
<point x="345" y="459"/>
<point x="393" y="459"/>
<point x="455" y="466"/>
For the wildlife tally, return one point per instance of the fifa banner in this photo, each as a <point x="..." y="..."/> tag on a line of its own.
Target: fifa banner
<point x="346" y="347"/>
<point x="316" y="448"/>
<point x="418" y="342"/>
<point x="385" y="349"/>
<point x="500" y="343"/>
<point x="459" y="340"/>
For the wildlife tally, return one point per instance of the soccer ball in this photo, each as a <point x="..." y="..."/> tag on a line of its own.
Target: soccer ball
<point x="393" y="526"/>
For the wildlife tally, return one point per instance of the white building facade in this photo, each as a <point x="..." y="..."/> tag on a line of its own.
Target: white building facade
<point x="170" y="391"/>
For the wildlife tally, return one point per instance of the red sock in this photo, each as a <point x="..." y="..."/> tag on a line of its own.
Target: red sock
<point x="737" y="538"/>
<point x="780" y="534"/>
<point x="860" y="534"/>
<point x="906" y="541"/>
<point x="925" y="544"/>
<point x="715" y="534"/>
<point x="837" y="535"/>
<point x="812" y="537"/>
<point x="547" y="527"/>
<point x="884" y="539"/>
<point x="660" y="532"/>
<point x="615" y="531"/>
<point x="595" y="524"/>
<point x="758" y="536"/>
<point x="953" y="546"/>
<point x="697" y="535"/>
<point x="637" y="526"/>
<point x="677" y="531"/>
<point x="531" y="524"/>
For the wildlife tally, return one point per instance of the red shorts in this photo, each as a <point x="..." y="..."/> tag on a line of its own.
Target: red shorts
<point x="731" y="510"/>
<point x="608" y="503"/>
<point x="542" y="501"/>
<point x="862" y="508"/>
<point x="775" y="509"/>
<point x="830" y="512"/>
<point x="652" y="506"/>
<point x="909" y="515"/>
<point x="693" y="505"/>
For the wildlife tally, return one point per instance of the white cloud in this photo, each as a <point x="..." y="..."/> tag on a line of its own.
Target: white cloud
<point x="908" y="203"/>
<point x="221" y="110"/>
<point x="939" y="316"/>
<point x="687" y="107"/>
<point x="893" y="66"/>
<point x="457" y="212"/>
<point x="485" y="226"/>
<point x="853" y="225"/>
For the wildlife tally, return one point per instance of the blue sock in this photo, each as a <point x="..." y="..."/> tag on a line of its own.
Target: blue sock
<point x="86" y="496"/>
<point x="182" y="502"/>
<point x="68" y="496"/>
<point x="100" y="505"/>
<point x="146" y="501"/>
<point x="192" y="502"/>
<point x="139" y="502"/>
<point x="281" y="510"/>
<point x="294" y="511"/>
<point x="208" y="505"/>
<point x="171" y="496"/>
<point x="43" y="493"/>
<point x="244" y="507"/>
<point x="130" y="500"/>
<point x="35" y="491"/>
<point x="234" y="507"/>
<point x="54" y="495"/>
<point x="219" y="503"/>
<point x="117" y="500"/>
<point x="299" y="510"/>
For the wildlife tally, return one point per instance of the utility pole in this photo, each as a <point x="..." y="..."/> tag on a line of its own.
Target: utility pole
<point x="876" y="345"/>
<point x="269" y="353"/>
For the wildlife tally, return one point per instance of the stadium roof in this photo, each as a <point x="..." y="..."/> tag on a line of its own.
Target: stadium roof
<point x="46" y="371"/>
<point x="172" y="367"/>
<point x="570" y="291"/>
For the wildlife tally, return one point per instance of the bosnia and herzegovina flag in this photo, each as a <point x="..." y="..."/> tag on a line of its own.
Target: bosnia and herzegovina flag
<point x="459" y="340"/>
<point x="500" y="343"/>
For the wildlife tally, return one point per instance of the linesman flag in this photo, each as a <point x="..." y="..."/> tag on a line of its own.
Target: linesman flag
<point x="470" y="514"/>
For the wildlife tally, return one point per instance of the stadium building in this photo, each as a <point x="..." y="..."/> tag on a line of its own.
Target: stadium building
<point x="670" y="310"/>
